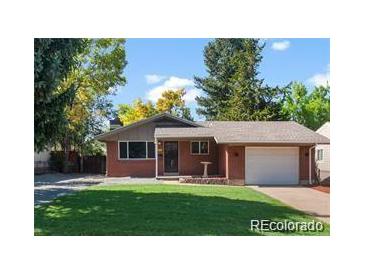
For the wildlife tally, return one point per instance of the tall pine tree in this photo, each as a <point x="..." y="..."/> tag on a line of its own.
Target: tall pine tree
<point x="233" y="89"/>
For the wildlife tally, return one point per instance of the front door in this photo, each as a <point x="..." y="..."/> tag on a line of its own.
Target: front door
<point x="171" y="156"/>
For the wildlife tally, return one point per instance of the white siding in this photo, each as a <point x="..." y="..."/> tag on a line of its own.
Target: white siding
<point x="41" y="156"/>
<point x="41" y="161"/>
<point x="324" y="165"/>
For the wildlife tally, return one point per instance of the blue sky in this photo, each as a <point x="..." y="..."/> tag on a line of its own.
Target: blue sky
<point x="157" y="64"/>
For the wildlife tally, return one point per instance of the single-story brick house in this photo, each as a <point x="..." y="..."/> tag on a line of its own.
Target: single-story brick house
<point x="243" y="152"/>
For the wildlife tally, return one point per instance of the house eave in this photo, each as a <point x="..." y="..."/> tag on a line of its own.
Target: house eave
<point x="183" y="137"/>
<point x="270" y="143"/>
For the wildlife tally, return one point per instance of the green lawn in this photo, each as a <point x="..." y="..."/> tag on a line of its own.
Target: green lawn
<point x="163" y="210"/>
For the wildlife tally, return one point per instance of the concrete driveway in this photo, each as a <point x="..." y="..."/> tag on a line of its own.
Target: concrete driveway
<point x="53" y="185"/>
<point x="308" y="200"/>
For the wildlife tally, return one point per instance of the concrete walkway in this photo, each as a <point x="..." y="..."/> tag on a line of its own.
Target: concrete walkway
<point x="308" y="200"/>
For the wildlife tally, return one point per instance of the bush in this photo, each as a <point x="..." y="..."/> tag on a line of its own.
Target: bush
<point x="58" y="163"/>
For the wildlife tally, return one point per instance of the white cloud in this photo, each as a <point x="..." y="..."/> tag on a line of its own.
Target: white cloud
<point x="154" y="78"/>
<point x="175" y="83"/>
<point x="320" y="79"/>
<point x="191" y="94"/>
<point x="282" y="45"/>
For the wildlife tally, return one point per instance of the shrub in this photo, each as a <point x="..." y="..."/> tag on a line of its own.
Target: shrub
<point x="58" y="163"/>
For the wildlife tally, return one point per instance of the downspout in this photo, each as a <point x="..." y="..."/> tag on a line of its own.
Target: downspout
<point x="156" y="156"/>
<point x="310" y="163"/>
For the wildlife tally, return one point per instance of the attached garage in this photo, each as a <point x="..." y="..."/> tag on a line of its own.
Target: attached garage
<point x="272" y="165"/>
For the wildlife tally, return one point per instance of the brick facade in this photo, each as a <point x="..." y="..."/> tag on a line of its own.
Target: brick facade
<point x="236" y="163"/>
<point x="227" y="161"/>
<point x="223" y="159"/>
<point x="232" y="163"/>
<point x="190" y="164"/>
<point x="124" y="168"/>
<point x="304" y="164"/>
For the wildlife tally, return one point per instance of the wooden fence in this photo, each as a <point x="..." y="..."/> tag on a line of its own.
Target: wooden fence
<point x="91" y="164"/>
<point x="94" y="164"/>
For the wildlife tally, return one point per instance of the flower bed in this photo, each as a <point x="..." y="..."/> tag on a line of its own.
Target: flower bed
<point x="205" y="181"/>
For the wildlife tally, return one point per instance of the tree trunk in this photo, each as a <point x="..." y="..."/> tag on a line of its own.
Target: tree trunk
<point x="81" y="163"/>
<point x="66" y="151"/>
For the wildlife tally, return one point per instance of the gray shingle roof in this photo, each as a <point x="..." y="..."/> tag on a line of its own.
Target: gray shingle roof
<point x="104" y="136"/>
<point x="247" y="132"/>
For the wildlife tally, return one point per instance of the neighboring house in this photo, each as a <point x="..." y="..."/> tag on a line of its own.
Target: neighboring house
<point x="41" y="161"/>
<point x="243" y="152"/>
<point x="323" y="154"/>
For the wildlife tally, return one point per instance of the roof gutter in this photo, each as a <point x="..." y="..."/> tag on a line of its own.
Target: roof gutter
<point x="270" y="142"/>
<point x="183" y="138"/>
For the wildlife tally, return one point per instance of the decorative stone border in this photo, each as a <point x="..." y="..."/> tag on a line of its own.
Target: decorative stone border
<point x="205" y="181"/>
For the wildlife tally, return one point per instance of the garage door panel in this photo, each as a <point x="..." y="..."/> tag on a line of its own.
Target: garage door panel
<point x="270" y="166"/>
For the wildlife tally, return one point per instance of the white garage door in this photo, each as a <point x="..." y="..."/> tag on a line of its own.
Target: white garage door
<point x="272" y="165"/>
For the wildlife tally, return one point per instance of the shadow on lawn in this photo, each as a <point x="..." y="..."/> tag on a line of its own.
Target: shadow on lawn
<point x="46" y="195"/>
<point x="101" y="212"/>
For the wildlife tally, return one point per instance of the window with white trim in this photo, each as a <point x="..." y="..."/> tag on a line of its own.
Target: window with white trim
<point x="136" y="150"/>
<point x="320" y="155"/>
<point x="199" y="147"/>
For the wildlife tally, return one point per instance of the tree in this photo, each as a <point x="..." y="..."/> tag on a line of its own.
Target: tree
<point x="53" y="60"/>
<point x="171" y="101"/>
<point x="233" y="88"/>
<point x="136" y="111"/>
<point x="96" y="73"/>
<point x="99" y="73"/>
<point x="311" y="109"/>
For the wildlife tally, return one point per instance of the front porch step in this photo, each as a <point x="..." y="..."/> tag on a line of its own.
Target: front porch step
<point x="177" y="177"/>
